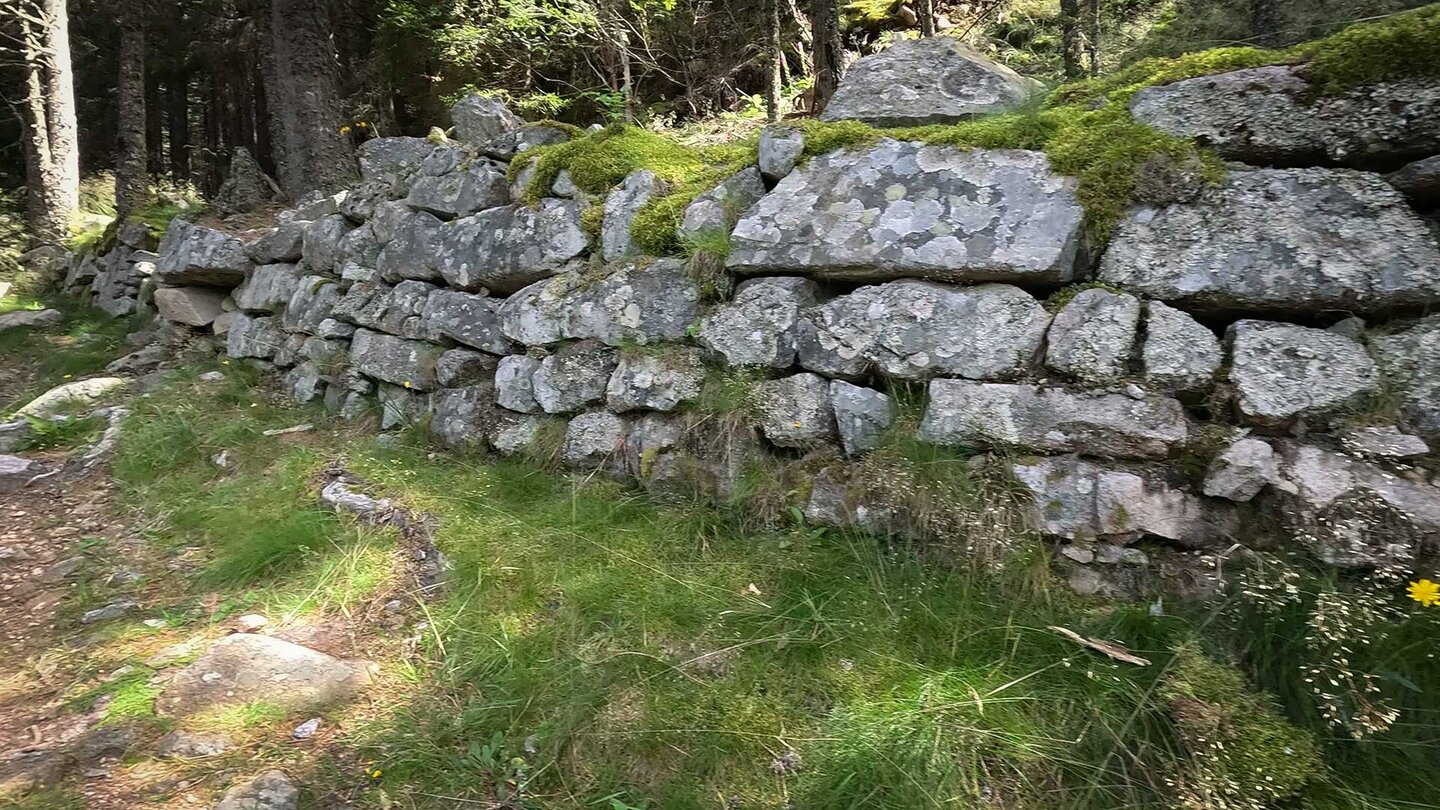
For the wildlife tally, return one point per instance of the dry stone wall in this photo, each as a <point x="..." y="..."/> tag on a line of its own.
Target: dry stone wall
<point x="1210" y="385"/>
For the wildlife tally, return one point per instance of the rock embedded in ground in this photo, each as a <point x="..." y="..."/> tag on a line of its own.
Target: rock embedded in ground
<point x="575" y="376"/>
<point x="1279" y="239"/>
<point x="779" y="151"/>
<point x="915" y="330"/>
<point x="504" y="249"/>
<point x="31" y="319"/>
<point x="245" y="668"/>
<point x="14" y="435"/>
<point x="1178" y="353"/>
<point x="272" y="790"/>
<point x="863" y="416"/>
<point x="795" y="411"/>
<point x="193" y="306"/>
<point x="621" y="206"/>
<point x="193" y="254"/>
<point x="110" y="612"/>
<point x="657" y="380"/>
<point x="635" y="301"/>
<point x="930" y="80"/>
<point x="1052" y="420"/>
<point x="595" y="440"/>
<point x="187" y="745"/>
<point x="757" y="326"/>
<point x="901" y="209"/>
<point x="16" y="471"/>
<point x="1242" y="470"/>
<point x="72" y="396"/>
<point x="1273" y="115"/>
<point x="401" y="362"/>
<point x="1093" y="337"/>
<point x="514" y="433"/>
<point x="1281" y="371"/>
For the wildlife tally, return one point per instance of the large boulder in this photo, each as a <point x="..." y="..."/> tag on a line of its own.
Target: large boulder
<point x="473" y="320"/>
<point x="1093" y="336"/>
<point x="504" y="249"/>
<point x="795" y="411"/>
<point x="915" y="330"/>
<point x="1280" y="239"/>
<point x="193" y="254"/>
<point x="637" y="301"/>
<point x="931" y="80"/>
<point x="193" y="306"/>
<point x="406" y="363"/>
<point x="1281" y="371"/>
<point x="656" y="380"/>
<point x="716" y="211"/>
<point x="246" y="668"/>
<point x="758" y="326"/>
<point x="1410" y="358"/>
<point x="575" y="376"/>
<point x="906" y="209"/>
<point x="1178" y="353"/>
<point x="1052" y="420"/>
<point x="451" y="184"/>
<point x="1273" y="115"/>
<point x="479" y="119"/>
<point x="621" y="206"/>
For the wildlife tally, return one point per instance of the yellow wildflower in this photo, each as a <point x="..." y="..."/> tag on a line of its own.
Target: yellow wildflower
<point x="1425" y="592"/>
<point x="375" y="774"/>
<point x="345" y="130"/>
<point x="407" y="383"/>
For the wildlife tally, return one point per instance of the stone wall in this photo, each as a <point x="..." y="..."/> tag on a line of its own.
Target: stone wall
<point x="1246" y="367"/>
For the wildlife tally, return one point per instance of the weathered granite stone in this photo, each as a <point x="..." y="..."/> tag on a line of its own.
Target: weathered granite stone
<point x="1419" y="182"/>
<point x="795" y="411"/>
<point x="406" y="363"/>
<point x="1273" y="116"/>
<point x="1411" y="359"/>
<point x="906" y="209"/>
<point x="250" y="336"/>
<point x="72" y="396"/>
<point x="268" y="287"/>
<point x="357" y="254"/>
<point x="863" y="416"/>
<point x="282" y="244"/>
<point x="780" y="150"/>
<point x="311" y="304"/>
<point x="331" y="328"/>
<point x="460" y="367"/>
<point x="1272" y="239"/>
<point x="399" y="310"/>
<point x="914" y="330"/>
<point x="1383" y="441"/>
<point x="1178" y="353"/>
<point x="1245" y="468"/>
<point x="1051" y="420"/>
<point x="461" y="416"/>
<point x="514" y="383"/>
<point x="473" y="320"/>
<point x="272" y="790"/>
<point x="194" y="306"/>
<point x="411" y="252"/>
<point x="514" y="433"/>
<point x="1281" y="371"/>
<point x="193" y="254"/>
<point x="480" y="118"/>
<point x="573" y="377"/>
<point x="321" y="248"/>
<point x="595" y="440"/>
<point x="31" y="319"/>
<point x="636" y="301"/>
<point x="400" y="406"/>
<point x="246" y="667"/>
<point x="1093" y="337"/>
<point x="361" y="203"/>
<point x="506" y="248"/>
<point x="452" y="184"/>
<point x="757" y="327"/>
<point x="621" y="206"/>
<point x="931" y="80"/>
<point x="516" y="142"/>
<point x="717" y="210"/>
<point x="659" y="380"/>
<point x="392" y="160"/>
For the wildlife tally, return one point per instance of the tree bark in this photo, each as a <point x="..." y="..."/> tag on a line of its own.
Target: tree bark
<point x="155" y="125"/>
<point x="925" y="11"/>
<point x="132" y="180"/>
<point x="177" y="119"/>
<point x="1070" y="39"/>
<point x="60" y="98"/>
<point x="304" y="99"/>
<point x="1092" y="40"/>
<point x="828" y="51"/>
<point x="775" y="79"/>
<point x="52" y="192"/>
<point x="1266" y="22"/>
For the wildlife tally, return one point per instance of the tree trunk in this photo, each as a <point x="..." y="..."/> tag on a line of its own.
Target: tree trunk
<point x="132" y="181"/>
<point x="775" y="81"/>
<point x="177" y="117"/>
<point x="1092" y="40"/>
<point x="154" y="126"/>
<point x="60" y="101"/>
<point x="1266" y="22"/>
<point x="45" y="214"/>
<point x="825" y="29"/>
<point x="1070" y="38"/>
<point x="925" y="11"/>
<point x="304" y="99"/>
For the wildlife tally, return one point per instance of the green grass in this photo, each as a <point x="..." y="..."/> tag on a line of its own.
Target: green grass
<point x="82" y="345"/>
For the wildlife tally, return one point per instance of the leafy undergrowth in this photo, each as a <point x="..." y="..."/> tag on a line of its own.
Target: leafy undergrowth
<point x="597" y="648"/>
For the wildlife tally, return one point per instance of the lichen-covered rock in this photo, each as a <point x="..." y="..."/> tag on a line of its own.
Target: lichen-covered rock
<point x="931" y="80"/>
<point x="1052" y="420"/>
<point x="473" y="320"/>
<point x="247" y="667"/>
<point x="411" y="251"/>
<point x="193" y="254"/>
<point x="406" y="363"/>
<point x="621" y="206"/>
<point x="392" y="160"/>
<point x="272" y="790"/>
<point x="758" y="326"/>
<point x="514" y="433"/>
<point x="399" y="310"/>
<point x="1273" y="116"/>
<point x="1281" y="371"/>
<point x="658" y="380"/>
<point x="1093" y="336"/>
<point x="314" y="205"/>
<point x="780" y="150"/>
<point x="516" y="142"/>
<point x="915" y="330"/>
<point x="360" y="204"/>
<point x="460" y="417"/>
<point x="72" y="396"/>
<point x="1242" y="470"/>
<point x="717" y="210"/>
<point x="573" y="377"/>
<point x="267" y="287"/>
<point x="258" y="337"/>
<point x="906" y="209"/>
<point x="863" y="416"/>
<point x="647" y="437"/>
<point x="1419" y="182"/>
<point x="1076" y="499"/>
<point x="1383" y="441"/>
<point x="635" y="301"/>
<point x="515" y="383"/>
<point x="480" y="118"/>
<point x="311" y="304"/>
<point x="595" y="440"/>
<point x="304" y="383"/>
<point x="461" y="367"/>
<point x="388" y="219"/>
<point x="795" y="411"/>
<point x="506" y="248"/>
<point x="1271" y="239"/>
<point x="321" y="248"/>
<point x="1178" y="353"/>
<point x="400" y="406"/>
<point x="282" y="244"/>
<point x="357" y="253"/>
<point x="195" y="306"/>
<point x="1411" y="360"/>
<point x="452" y="184"/>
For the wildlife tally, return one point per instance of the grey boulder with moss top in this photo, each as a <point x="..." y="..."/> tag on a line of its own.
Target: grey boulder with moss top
<point x="621" y="207"/>
<point x="714" y="213"/>
<point x="931" y="80"/>
<point x="905" y="209"/>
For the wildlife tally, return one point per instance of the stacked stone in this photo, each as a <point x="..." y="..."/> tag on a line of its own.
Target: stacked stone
<point x="115" y="280"/>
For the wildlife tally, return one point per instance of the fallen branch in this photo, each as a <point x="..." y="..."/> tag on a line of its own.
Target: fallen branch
<point x="1115" y="651"/>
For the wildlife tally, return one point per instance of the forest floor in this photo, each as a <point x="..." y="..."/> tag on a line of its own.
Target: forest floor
<point x="591" y="647"/>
